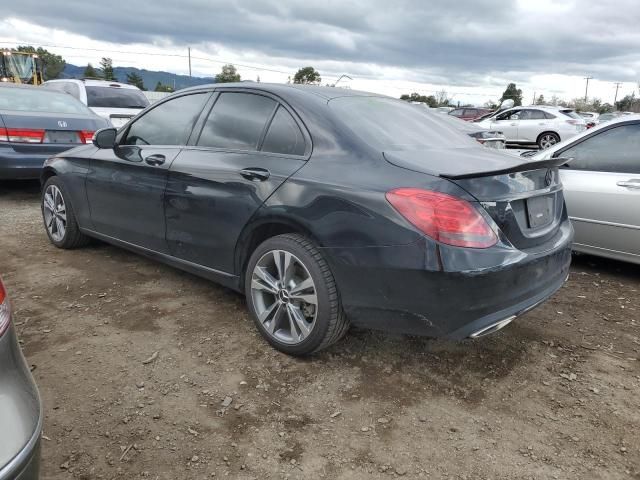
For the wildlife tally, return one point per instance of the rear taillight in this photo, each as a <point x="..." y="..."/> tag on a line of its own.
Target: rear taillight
<point x="5" y="311"/>
<point x="573" y="121"/>
<point x="86" y="136"/>
<point x="21" y="135"/>
<point x="444" y="218"/>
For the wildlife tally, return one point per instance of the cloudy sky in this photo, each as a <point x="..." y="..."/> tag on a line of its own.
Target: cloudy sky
<point x="470" y="48"/>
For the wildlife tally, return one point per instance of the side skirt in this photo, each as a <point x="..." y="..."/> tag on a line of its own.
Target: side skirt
<point x="223" y="278"/>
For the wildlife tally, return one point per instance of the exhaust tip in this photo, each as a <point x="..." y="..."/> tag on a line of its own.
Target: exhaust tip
<point x="494" y="327"/>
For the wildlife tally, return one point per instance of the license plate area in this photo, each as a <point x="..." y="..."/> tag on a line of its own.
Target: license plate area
<point x="61" y="136"/>
<point x="540" y="211"/>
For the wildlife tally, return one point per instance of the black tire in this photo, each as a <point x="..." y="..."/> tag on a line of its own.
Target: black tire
<point x="547" y="140"/>
<point x="331" y="323"/>
<point x="73" y="237"/>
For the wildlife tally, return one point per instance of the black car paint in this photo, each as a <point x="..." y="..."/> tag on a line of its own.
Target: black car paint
<point x="389" y="275"/>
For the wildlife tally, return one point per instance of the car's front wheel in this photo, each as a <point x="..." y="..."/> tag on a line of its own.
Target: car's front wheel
<point x="292" y="296"/>
<point x="59" y="218"/>
<point x="547" y="140"/>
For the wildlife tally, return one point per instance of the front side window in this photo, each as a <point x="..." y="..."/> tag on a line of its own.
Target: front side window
<point x="511" y="115"/>
<point x="284" y="135"/>
<point x="614" y="150"/>
<point x="170" y="123"/>
<point x="456" y="113"/>
<point x="237" y="121"/>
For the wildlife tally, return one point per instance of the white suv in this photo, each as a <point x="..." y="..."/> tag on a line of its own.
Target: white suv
<point x="117" y="102"/>
<point x="541" y="125"/>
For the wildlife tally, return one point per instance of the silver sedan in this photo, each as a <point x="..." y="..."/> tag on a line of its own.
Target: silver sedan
<point x="602" y="187"/>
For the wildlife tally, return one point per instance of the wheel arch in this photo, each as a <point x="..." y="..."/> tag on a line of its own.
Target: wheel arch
<point x="262" y="229"/>
<point x="547" y="132"/>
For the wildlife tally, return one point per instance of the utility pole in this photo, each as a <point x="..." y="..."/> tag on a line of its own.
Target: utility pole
<point x="534" y="99"/>
<point x="615" y="99"/>
<point x="189" y="50"/>
<point x="586" y="89"/>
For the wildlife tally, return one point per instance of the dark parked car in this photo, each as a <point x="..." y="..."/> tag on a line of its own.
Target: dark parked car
<point x="20" y="412"/>
<point x="36" y="123"/>
<point x="469" y="113"/>
<point x="324" y="206"/>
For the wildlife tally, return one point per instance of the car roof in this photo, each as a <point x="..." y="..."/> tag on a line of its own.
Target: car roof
<point x="326" y="93"/>
<point x="94" y="82"/>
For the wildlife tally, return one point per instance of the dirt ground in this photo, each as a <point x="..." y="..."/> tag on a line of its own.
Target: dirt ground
<point x="554" y="395"/>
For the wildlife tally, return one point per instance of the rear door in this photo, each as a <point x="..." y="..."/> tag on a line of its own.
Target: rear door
<point x="531" y="123"/>
<point x="602" y="189"/>
<point x="125" y="186"/>
<point x="249" y="145"/>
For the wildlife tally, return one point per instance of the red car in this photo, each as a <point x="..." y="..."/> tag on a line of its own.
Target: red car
<point x="469" y="113"/>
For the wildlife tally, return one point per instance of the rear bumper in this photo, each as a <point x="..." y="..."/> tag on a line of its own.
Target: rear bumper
<point x="14" y="165"/>
<point x="20" y="414"/>
<point x="425" y="289"/>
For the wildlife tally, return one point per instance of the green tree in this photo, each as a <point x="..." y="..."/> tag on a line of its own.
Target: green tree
<point x="228" y="74"/>
<point x="134" y="79"/>
<point x="162" y="88"/>
<point x="307" y="75"/>
<point x="540" y="100"/>
<point x="512" y="93"/>
<point x="416" y="97"/>
<point x="90" y="72"/>
<point x="106" y="65"/>
<point x="442" y="97"/>
<point x="52" y="64"/>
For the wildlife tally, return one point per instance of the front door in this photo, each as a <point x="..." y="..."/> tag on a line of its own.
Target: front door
<point x="249" y="145"/>
<point x="126" y="184"/>
<point x="602" y="189"/>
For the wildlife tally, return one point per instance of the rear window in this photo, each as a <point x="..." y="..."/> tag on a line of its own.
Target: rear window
<point x="39" y="100"/>
<point x="115" y="97"/>
<point x="571" y="113"/>
<point x="390" y="124"/>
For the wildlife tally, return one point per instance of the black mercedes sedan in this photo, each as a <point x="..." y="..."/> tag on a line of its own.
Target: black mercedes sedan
<point x="36" y="123"/>
<point x="325" y="207"/>
<point x="20" y="411"/>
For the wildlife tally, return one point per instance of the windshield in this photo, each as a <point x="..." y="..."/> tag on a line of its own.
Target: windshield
<point x="390" y="124"/>
<point x="116" y="97"/>
<point x="40" y="100"/>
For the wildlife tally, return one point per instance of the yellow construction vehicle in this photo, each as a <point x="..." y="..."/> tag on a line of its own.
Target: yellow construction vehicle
<point x="20" y="67"/>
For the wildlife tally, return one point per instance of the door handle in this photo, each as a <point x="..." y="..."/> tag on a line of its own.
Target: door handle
<point x="155" y="160"/>
<point x="255" y="174"/>
<point x="633" y="183"/>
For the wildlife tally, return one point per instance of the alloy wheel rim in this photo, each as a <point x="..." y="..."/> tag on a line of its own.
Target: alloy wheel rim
<point x="284" y="297"/>
<point x="548" y="141"/>
<point x="55" y="213"/>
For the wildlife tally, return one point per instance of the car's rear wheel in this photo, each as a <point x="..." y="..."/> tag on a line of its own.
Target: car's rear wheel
<point x="547" y="140"/>
<point x="59" y="218"/>
<point x="292" y="296"/>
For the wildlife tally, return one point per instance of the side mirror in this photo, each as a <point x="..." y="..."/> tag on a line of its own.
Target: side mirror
<point x="105" y="138"/>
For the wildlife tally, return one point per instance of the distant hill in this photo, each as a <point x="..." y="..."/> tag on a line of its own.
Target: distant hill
<point x="150" y="77"/>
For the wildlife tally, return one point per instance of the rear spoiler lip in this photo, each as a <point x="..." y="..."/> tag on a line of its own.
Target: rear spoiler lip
<point x="523" y="167"/>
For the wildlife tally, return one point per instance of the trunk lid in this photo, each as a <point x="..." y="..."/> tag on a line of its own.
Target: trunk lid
<point x="524" y="199"/>
<point x="61" y="130"/>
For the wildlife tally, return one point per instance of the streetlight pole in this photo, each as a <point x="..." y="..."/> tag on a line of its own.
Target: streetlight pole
<point x="189" y="51"/>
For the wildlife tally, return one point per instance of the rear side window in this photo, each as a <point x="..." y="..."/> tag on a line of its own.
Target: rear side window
<point x="170" y="123"/>
<point x="535" y="115"/>
<point x="549" y="116"/>
<point x="470" y="112"/>
<point x="571" y="114"/>
<point x="456" y="113"/>
<point x="284" y="135"/>
<point x="614" y="150"/>
<point x="237" y="121"/>
<point x="116" y="97"/>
